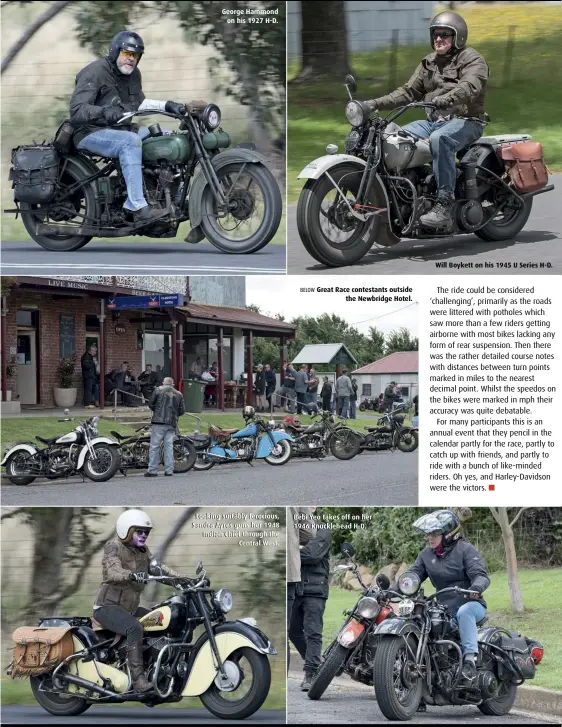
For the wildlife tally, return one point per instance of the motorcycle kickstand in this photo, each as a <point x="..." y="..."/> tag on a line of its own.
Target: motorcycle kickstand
<point x="123" y="472"/>
<point x="248" y="462"/>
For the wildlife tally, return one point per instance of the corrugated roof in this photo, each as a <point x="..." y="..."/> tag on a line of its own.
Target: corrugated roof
<point x="235" y="316"/>
<point x="401" y="362"/>
<point x="321" y="353"/>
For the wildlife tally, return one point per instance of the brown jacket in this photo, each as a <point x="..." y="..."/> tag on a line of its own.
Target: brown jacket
<point x="119" y="560"/>
<point x="461" y="76"/>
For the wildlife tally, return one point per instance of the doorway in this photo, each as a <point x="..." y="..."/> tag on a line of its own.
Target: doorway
<point x="26" y="360"/>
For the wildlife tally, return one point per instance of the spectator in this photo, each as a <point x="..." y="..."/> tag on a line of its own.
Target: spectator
<point x="389" y="396"/>
<point x="301" y="388"/>
<point x="287" y="391"/>
<point x="196" y="368"/>
<point x="297" y="534"/>
<point x="89" y="371"/>
<point x="124" y="381"/>
<point x="167" y="406"/>
<point x="159" y="375"/>
<point x="353" y="399"/>
<point x="380" y="402"/>
<point x="270" y="385"/>
<point x="415" y="421"/>
<point x="259" y="388"/>
<point x="210" y="389"/>
<point x="313" y="383"/>
<point x="326" y="393"/>
<point x="344" y="390"/>
<point x="147" y="381"/>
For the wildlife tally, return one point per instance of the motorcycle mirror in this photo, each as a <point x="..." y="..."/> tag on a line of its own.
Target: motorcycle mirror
<point x="382" y="581"/>
<point x="351" y="83"/>
<point x="199" y="567"/>
<point x="347" y="549"/>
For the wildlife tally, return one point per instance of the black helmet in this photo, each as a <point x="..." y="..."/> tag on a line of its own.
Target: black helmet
<point x="444" y="522"/>
<point x="125" y="40"/>
<point x="453" y="21"/>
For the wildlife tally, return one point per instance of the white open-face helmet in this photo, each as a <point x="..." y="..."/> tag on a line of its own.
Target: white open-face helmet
<point x="128" y="521"/>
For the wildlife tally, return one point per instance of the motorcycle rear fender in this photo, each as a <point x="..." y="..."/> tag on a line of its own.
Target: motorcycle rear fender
<point x="222" y="452"/>
<point x="396" y="627"/>
<point x="19" y="447"/>
<point x="237" y="155"/>
<point x="480" y="154"/>
<point x="265" y="447"/>
<point x="96" y="440"/>
<point x="91" y="671"/>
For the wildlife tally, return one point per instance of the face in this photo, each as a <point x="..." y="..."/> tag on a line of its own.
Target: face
<point x="442" y="40"/>
<point x="434" y="540"/>
<point x="123" y="367"/>
<point x="127" y="61"/>
<point x="93" y="350"/>
<point x="149" y="368"/>
<point x="267" y="367"/>
<point x="140" y="536"/>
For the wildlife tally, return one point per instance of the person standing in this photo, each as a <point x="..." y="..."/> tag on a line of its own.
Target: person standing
<point x="343" y="393"/>
<point x="326" y="393"/>
<point x="270" y="385"/>
<point x="89" y="367"/>
<point x="167" y="406"/>
<point x="353" y="400"/>
<point x="388" y="400"/>
<point x="415" y="421"/>
<point x="299" y="532"/>
<point x="313" y="383"/>
<point x="287" y="391"/>
<point x="259" y="388"/>
<point x="196" y="368"/>
<point x="301" y="388"/>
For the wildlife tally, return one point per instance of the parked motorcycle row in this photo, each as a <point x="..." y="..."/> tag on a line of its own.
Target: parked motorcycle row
<point x="84" y="452"/>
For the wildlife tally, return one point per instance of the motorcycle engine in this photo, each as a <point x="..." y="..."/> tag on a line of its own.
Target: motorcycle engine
<point x="59" y="461"/>
<point x="243" y="447"/>
<point x="155" y="645"/>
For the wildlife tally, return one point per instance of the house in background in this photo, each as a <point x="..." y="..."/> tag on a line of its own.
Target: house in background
<point x="336" y="355"/>
<point x="401" y="367"/>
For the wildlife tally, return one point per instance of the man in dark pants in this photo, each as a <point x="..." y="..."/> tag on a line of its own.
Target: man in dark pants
<point x="307" y="616"/>
<point x="388" y="400"/>
<point x="89" y="373"/>
<point x="299" y="532"/>
<point x="167" y="406"/>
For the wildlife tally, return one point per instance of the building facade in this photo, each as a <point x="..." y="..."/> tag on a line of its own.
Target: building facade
<point x="401" y="367"/>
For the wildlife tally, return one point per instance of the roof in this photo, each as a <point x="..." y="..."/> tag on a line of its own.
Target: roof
<point x="401" y="362"/>
<point x="240" y="317"/>
<point x="322" y="353"/>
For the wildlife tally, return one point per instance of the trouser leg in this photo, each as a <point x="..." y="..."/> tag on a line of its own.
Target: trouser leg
<point x="169" y="436"/>
<point x="296" y="627"/>
<point x="467" y="617"/>
<point x="313" y="608"/>
<point x="156" y="437"/>
<point x="290" y="601"/>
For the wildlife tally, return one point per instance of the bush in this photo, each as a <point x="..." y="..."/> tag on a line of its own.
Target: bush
<point x="65" y="371"/>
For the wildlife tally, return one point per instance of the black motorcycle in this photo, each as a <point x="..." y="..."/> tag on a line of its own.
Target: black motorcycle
<point x="352" y="650"/>
<point x="419" y="657"/>
<point x="370" y="404"/>
<point x="322" y="437"/>
<point x="389" y="433"/>
<point x="226" y="666"/>
<point x="80" y="452"/>
<point x="377" y="191"/>
<point x="134" y="451"/>
<point x="67" y="196"/>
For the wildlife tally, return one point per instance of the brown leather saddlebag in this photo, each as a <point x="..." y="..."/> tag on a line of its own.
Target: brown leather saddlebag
<point x="525" y="165"/>
<point x="39" y="650"/>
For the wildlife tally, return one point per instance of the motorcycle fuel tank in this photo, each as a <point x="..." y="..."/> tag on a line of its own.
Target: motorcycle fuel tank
<point x="68" y="438"/>
<point x="249" y="431"/>
<point x="172" y="148"/>
<point x="157" y="620"/>
<point x="404" y="153"/>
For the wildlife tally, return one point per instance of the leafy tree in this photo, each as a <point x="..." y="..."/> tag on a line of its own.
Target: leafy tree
<point x="400" y="340"/>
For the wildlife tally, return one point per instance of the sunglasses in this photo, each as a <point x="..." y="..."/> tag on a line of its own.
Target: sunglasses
<point x="442" y="34"/>
<point x="142" y="531"/>
<point x="130" y="54"/>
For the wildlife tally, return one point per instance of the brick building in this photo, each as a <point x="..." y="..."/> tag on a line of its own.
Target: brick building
<point x="45" y="319"/>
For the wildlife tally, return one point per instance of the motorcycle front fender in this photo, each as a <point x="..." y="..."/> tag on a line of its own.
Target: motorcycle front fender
<point x="96" y="440"/>
<point x="265" y="447"/>
<point x="396" y="627"/>
<point x="17" y="448"/>
<point x="316" y="168"/>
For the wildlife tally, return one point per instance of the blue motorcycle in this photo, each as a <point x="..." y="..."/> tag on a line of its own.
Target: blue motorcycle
<point x="257" y="440"/>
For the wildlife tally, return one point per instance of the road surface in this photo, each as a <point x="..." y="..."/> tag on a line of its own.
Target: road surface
<point x="370" y="478"/>
<point x="139" y="258"/>
<point x="539" y="241"/>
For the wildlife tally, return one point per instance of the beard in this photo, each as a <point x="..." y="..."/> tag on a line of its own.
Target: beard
<point x="125" y="68"/>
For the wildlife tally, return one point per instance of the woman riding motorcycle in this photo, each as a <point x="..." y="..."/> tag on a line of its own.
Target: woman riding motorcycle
<point x="450" y="560"/>
<point x="125" y="567"/>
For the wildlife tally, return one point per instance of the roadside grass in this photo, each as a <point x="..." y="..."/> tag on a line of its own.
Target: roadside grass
<point x="527" y="104"/>
<point x="16" y="429"/>
<point x="541" y="620"/>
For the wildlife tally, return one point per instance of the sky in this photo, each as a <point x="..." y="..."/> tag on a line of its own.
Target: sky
<point x="281" y="294"/>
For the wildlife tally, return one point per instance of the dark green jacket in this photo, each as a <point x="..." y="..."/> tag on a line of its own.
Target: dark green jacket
<point x="461" y="76"/>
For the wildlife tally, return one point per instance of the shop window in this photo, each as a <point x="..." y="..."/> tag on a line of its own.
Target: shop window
<point x="226" y="355"/>
<point x="92" y="323"/>
<point x="28" y="318"/>
<point x="366" y="390"/>
<point x="405" y="390"/>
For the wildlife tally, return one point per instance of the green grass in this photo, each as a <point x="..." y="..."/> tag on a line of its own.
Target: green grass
<point x="527" y="104"/>
<point x="541" y="620"/>
<point x="15" y="429"/>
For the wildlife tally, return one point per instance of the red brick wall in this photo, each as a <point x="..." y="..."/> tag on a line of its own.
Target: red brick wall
<point x="119" y="348"/>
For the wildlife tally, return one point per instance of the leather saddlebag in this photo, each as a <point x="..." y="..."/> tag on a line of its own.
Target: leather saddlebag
<point x="519" y="652"/>
<point x="34" y="173"/>
<point x="39" y="650"/>
<point x="525" y="165"/>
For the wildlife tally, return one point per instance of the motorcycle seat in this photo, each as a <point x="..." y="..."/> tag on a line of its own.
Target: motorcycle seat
<point x="51" y="440"/>
<point x="119" y="436"/>
<point x="371" y="429"/>
<point x="220" y="433"/>
<point x="103" y="634"/>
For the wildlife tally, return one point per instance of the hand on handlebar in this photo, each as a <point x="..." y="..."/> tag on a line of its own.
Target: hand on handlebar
<point x="112" y="114"/>
<point x="139" y="576"/>
<point x="179" y="109"/>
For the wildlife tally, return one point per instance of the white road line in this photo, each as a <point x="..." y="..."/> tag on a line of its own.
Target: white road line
<point x="151" y="268"/>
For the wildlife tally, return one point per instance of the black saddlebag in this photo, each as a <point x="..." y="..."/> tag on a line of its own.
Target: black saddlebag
<point x="34" y="172"/>
<point x="519" y="651"/>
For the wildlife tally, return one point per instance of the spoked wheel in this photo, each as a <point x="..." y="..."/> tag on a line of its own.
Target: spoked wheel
<point x="344" y="444"/>
<point x="397" y="689"/>
<point x="328" y="230"/>
<point x="250" y="673"/>
<point x="281" y="453"/>
<point x="17" y="469"/>
<point x="508" y="221"/>
<point x="104" y="465"/>
<point x="185" y="456"/>
<point x="70" y="211"/>
<point x="407" y="441"/>
<point x="254" y="209"/>
<point x="57" y="704"/>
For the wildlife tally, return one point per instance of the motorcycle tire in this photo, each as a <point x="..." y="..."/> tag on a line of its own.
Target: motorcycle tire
<point x="114" y="464"/>
<point x="203" y="464"/>
<point x="495" y="232"/>
<point x="362" y="407"/>
<point x="186" y="456"/>
<point x="252" y="700"/>
<point x="383" y="677"/>
<point x="16" y="479"/>
<point x="284" y="457"/>
<point x="273" y="209"/>
<point x="500" y="705"/>
<point x="410" y="446"/>
<point x="57" y="705"/>
<point x="352" y="448"/>
<point x="327" y="671"/>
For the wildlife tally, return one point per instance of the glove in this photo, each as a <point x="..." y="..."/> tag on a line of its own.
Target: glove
<point x="372" y="104"/>
<point x="442" y="102"/>
<point x="178" y="109"/>
<point x="138" y="577"/>
<point x="196" y="105"/>
<point x="112" y="114"/>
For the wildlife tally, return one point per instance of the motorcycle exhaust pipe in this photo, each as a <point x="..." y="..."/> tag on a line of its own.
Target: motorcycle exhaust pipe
<point x="84" y="230"/>
<point x="548" y="188"/>
<point x="85" y="684"/>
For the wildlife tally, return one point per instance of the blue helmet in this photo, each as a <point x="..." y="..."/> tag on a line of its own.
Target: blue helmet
<point x="125" y="40"/>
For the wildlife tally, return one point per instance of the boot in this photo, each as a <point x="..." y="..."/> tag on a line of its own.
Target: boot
<point x="195" y="235"/>
<point x="422" y="706"/>
<point x="469" y="673"/>
<point x="442" y="213"/>
<point x="136" y="667"/>
<point x="148" y="214"/>
<point x="307" y="681"/>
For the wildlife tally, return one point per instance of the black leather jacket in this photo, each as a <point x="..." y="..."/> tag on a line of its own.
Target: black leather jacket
<point x="315" y="565"/>
<point x="167" y="405"/>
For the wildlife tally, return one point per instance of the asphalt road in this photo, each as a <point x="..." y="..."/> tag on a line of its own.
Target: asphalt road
<point x="346" y="702"/>
<point x="373" y="478"/>
<point x="18" y="714"/>
<point x="139" y="258"/>
<point x="539" y="241"/>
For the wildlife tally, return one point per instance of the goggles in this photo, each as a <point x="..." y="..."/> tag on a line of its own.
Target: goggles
<point x="143" y="531"/>
<point x="442" y="34"/>
<point x="130" y="54"/>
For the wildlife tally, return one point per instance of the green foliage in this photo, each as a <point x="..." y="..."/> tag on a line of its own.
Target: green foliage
<point x="65" y="371"/>
<point x="401" y="340"/>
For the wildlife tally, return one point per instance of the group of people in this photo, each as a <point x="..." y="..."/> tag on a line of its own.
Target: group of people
<point x="303" y="388"/>
<point x="208" y="374"/>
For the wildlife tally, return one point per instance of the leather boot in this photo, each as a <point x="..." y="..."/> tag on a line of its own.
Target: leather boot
<point x="309" y="675"/>
<point x="148" y="214"/>
<point x="441" y="216"/>
<point x="136" y="667"/>
<point x="195" y="235"/>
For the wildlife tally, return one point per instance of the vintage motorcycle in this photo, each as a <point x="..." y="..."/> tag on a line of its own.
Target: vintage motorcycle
<point x="389" y="433"/>
<point x="72" y="665"/>
<point x="80" y="452"/>
<point x="134" y="450"/>
<point x="352" y="650"/>
<point x="67" y="196"/>
<point x="377" y="191"/>
<point x="419" y="656"/>
<point x="370" y="404"/>
<point x="326" y="436"/>
<point x="257" y="440"/>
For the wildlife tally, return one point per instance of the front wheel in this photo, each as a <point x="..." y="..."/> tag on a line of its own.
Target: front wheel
<point x="502" y="703"/>
<point x="104" y="465"/>
<point x="344" y="444"/>
<point x="252" y="674"/>
<point x="281" y="453"/>
<point x="254" y="211"/>
<point x="362" y="406"/>
<point x="407" y="440"/>
<point x="16" y="468"/>
<point x="327" y="671"/>
<point x="185" y="456"/>
<point x="397" y="689"/>
<point x="60" y="706"/>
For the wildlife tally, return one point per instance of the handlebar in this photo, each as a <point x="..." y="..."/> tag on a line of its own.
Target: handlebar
<point x="456" y="589"/>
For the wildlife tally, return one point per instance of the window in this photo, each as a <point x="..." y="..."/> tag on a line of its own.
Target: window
<point x="157" y="352"/>
<point x="27" y="318"/>
<point x="405" y="390"/>
<point x="366" y="390"/>
<point x="226" y="355"/>
<point x="92" y="323"/>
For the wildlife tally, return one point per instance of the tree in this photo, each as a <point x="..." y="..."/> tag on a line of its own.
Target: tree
<point x="501" y="516"/>
<point x="375" y="344"/>
<point x="323" y="40"/>
<point x="400" y="340"/>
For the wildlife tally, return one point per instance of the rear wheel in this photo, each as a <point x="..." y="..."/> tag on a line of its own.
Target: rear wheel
<point x="327" y="671"/>
<point x="59" y="705"/>
<point x="203" y="462"/>
<point x="16" y="468"/>
<point x="344" y="444"/>
<point x="501" y="704"/>
<point x="185" y="456"/>
<point x="507" y="223"/>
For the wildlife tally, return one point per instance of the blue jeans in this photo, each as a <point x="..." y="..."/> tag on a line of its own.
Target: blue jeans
<point x="127" y="145"/>
<point x="352" y="408"/>
<point x="467" y="617"/>
<point x="343" y="405"/>
<point x="161" y="432"/>
<point x="445" y="139"/>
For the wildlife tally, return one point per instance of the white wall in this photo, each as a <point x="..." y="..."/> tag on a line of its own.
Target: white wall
<point x="380" y="381"/>
<point x="237" y="353"/>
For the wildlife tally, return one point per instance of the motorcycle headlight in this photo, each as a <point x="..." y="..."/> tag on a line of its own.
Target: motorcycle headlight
<point x="368" y="607"/>
<point x="409" y="583"/>
<point x="223" y="600"/>
<point x="356" y="113"/>
<point x="406" y="608"/>
<point x="211" y="116"/>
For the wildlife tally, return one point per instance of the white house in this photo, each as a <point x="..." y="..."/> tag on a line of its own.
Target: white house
<point x="401" y="367"/>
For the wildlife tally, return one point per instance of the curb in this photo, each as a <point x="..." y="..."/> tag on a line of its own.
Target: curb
<point x="539" y="699"/>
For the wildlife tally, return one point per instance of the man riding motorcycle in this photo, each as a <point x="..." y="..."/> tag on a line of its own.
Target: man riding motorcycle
<point x="106" y="90"/>
<point x="453" y="78"/>
<point x="125" y="567"/>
